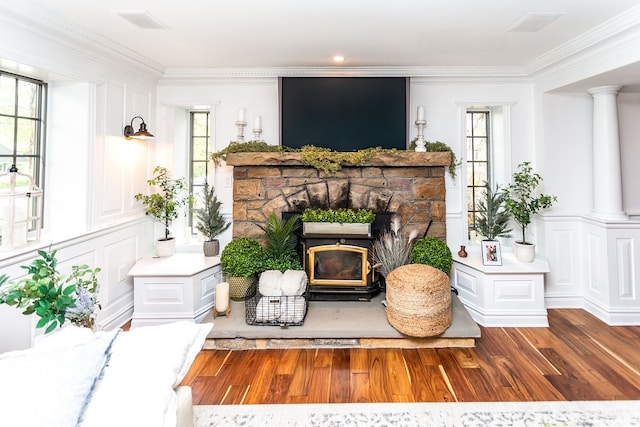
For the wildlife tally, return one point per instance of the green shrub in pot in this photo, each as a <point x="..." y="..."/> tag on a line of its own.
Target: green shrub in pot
<point x="242" y="257"/>
<point x="433" y="252"/>
<point x="341" y="215"/>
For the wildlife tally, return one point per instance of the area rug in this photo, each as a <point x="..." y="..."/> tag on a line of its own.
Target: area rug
<point x="515" y="414"/>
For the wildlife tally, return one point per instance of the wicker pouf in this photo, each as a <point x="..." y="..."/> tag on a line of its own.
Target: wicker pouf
<point x="418" y="300"/>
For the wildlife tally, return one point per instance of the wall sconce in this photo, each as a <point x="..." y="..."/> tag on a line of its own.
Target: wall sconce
<point x="142" y="132"/>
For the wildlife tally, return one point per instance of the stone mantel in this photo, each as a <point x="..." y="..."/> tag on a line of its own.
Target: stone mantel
<point x="397" y="159"/>
<point x="406" y="183"/>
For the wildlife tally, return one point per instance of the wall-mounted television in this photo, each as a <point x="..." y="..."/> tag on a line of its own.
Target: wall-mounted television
<point x="344" y="113"/>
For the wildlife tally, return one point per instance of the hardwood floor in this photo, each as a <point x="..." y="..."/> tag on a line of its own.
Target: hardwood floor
<point x="577" y="358"/>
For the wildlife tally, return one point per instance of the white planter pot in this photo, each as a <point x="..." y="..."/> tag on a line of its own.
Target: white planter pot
<point x="524" y="253"/>
<point x="336" y="228"/>
<point x="165" y="248"/>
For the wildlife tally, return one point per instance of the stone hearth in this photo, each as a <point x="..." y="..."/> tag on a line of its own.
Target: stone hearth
<point x="407" y="183"/>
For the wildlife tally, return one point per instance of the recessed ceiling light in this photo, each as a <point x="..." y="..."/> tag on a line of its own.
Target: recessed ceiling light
<point x="338" y="58"/>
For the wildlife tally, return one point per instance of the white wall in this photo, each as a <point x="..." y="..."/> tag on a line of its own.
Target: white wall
<point x="91" y="171"/>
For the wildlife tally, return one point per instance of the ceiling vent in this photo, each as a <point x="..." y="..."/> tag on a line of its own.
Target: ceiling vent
<point x="533" y="21"/>
<point x="142" y="19"/>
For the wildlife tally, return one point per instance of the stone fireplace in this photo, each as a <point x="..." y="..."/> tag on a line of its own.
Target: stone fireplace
<point x="409" y="184"/>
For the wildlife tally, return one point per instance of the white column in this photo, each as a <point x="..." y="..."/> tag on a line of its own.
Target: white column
<point x="607" y="175"/>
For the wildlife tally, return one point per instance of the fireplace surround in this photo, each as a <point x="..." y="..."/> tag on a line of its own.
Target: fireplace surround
<point x="407" y="183"/>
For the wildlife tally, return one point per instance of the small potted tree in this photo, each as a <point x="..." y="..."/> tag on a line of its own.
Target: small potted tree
<point x="492" y="220"/>
<point x="211" y="222"/>
<point x="523" y="202"/>
<point x="165" y="205"/>
<point x="241" y="260"/>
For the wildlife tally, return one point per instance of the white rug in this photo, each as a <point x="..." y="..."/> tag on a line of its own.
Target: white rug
<point x="503" y="414"/>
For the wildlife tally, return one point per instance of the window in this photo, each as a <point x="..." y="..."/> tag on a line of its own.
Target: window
<point x="198" y="157"/>
<point x="478" y="164"/>
<point x="22" y="124"/>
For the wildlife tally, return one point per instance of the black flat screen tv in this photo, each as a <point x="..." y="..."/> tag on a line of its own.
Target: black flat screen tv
<point x="344" y="113"/>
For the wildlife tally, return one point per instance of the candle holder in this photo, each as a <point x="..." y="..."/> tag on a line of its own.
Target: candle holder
<point x="225" y="313"/>
<point x="256" y="134"/>
<point x="240" y="125"/>
<point x="221" y="305"/>
<point x="421" y="146"/>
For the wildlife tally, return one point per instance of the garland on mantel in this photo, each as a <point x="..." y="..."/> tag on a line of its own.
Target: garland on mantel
<point x="324" y="159"/>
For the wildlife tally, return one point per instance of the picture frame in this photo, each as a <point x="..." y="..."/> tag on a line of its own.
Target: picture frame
<point x="491" y="253"/>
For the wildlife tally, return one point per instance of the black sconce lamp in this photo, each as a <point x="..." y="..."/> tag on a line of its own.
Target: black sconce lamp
<point x="142" y="132"/>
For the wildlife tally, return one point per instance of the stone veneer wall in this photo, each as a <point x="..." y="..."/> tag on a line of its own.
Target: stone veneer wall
<point x="407" y="183"/>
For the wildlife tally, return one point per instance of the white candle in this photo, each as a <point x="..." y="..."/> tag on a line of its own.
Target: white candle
<point x="222" y="297"/>
<point x="241" y="115"/>
<point x="257" y="122"/>
<point x="420" y="113"/>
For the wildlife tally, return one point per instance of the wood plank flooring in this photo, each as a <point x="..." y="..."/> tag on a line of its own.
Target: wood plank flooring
<point x="577" y="358"/>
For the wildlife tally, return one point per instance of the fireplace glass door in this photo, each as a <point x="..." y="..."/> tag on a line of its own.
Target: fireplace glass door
<point x="338" y="265"/>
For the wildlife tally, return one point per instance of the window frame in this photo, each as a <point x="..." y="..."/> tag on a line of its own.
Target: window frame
<point x="196" y="189"/>
<point x="39" y="151"/>
<point x="477" y="187"/>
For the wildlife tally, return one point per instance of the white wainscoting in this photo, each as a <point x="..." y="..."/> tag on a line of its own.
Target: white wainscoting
<point x="115" y="250"/>
<point x="594" y="266"/>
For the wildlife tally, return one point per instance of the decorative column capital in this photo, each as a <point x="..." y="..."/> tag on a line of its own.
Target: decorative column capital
<point x="604" y="90"/>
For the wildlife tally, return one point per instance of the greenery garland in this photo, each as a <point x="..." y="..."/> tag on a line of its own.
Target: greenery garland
<point x="253" y="146"/>
<point x="326" y="160"/>
<point x="439" y="146"/>
<point x="330" y="162"/>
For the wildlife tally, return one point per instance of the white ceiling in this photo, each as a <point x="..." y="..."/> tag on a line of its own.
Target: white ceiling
<point x="308" y="33"/>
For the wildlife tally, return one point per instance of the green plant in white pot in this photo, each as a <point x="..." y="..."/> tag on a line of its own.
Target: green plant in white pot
<point x="523" y="202"/>
<point x="165" y="205"/>
<point x="210" y="221"/>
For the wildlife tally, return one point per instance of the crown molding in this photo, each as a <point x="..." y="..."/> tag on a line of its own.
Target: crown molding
<point x="602" y="33"/>
<point x="174" y="76"/>
<point x="49" y="26"/>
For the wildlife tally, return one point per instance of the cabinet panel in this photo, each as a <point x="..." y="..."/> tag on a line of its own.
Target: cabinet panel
<point x="163" y="293"/>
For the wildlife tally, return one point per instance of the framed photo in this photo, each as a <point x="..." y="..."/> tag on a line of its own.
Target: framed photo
<point x="491" y="254"/>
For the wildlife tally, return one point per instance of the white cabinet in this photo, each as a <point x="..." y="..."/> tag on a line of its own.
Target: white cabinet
<point x="179" y="287"/>
<point x="508" y="295"/>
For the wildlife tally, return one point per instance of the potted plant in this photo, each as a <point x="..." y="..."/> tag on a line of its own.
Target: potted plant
<point x="393" y="247"/>
<point x="241" y="260"/>
<point x="211" y="222"/>
<point x="433" y="252"/>
<point x="165" y="205"/>
<point x="492" y="219"/>
<point x="522" y="202"/>
<point x="281" y="243"/>
<point x="51" y="296"/>
<point x="338" y="221"/>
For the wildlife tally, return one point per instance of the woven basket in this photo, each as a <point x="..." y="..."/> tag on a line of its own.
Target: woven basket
<point x="418" y="300"/>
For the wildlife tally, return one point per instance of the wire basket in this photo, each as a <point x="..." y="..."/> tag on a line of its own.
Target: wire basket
<point x="270" y="310"/>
